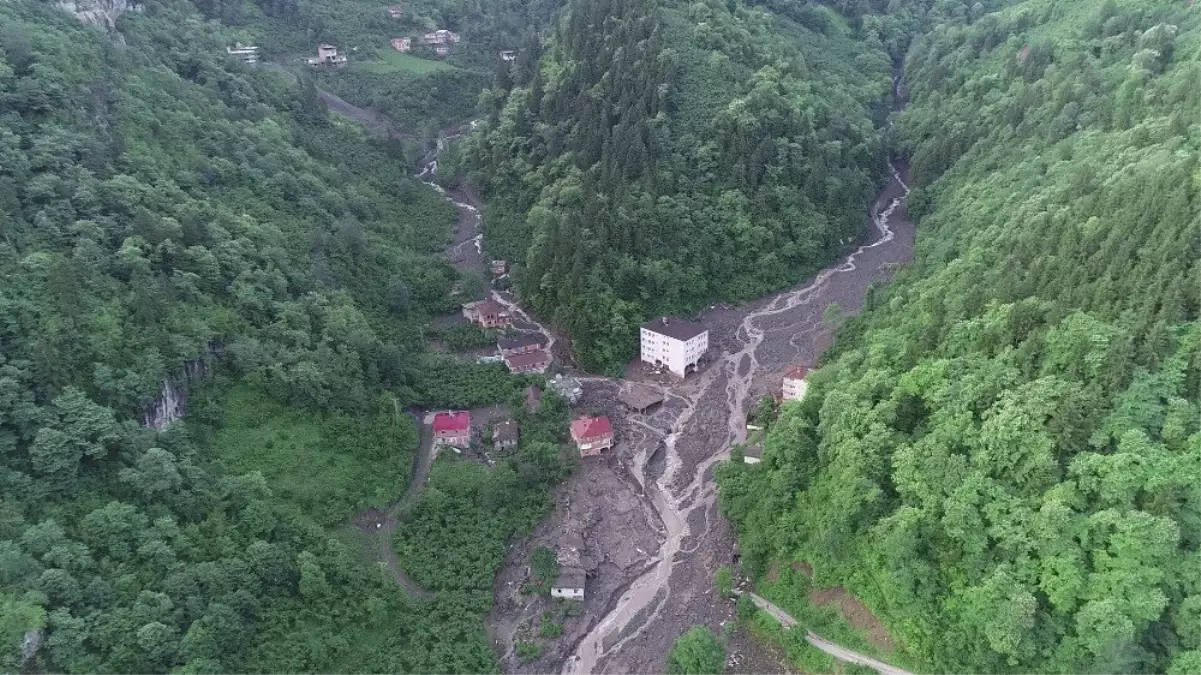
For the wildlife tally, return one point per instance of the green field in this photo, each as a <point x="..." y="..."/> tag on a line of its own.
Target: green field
<point x="326" y="466"/>
<point x="392" y="61"/>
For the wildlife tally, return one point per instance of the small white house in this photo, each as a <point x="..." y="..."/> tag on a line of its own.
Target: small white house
<point x="795" y="383"/>
<point x="673" y="343"/>
<point x="752" y="454"/>
<point x="570" y="584"/>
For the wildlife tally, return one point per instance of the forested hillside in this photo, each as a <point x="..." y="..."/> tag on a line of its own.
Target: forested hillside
<point x="660" y="155"/>
<point x="1001" y="456"/>
<point x="161" y="205"/>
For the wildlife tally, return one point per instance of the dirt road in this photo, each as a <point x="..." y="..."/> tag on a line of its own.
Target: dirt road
<point x="840" y="653"/>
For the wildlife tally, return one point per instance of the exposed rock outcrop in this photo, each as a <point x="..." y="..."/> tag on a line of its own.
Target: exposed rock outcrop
<point x="172" y="401"/>
<point x="103" y="13"/>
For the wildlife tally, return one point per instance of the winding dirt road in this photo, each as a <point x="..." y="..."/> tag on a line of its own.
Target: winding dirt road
<point x="840" y="653"/>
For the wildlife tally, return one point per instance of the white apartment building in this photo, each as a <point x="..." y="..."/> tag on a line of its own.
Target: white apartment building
<point x="795" y="383"/>
<point x="674" y="343"/>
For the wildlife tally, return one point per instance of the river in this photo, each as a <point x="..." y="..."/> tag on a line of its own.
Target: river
<point x="707" y="418"/>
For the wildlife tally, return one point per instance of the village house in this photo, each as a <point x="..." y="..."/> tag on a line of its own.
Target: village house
<point x="522" y="343"/>
<point x="639" y="399"/>
<point x="396" y="12"/>
<point x="442" y="50"/>
<point x="452" y="428"/>
<point x="795" y="383"/>
<point x="248" y="53"/>
<point x="402" y="44"/>
<point x="487" y="313"/>
<point x="499" y="267"/>
<point x="440" y="37"/>
<point x="508" y="55"/>
<point x="592" y="435"/>
<point x="569" y="584"/>
<point x="327" y="55"/>
<point x="533" y="399"/>
<point x="674" y="343"/>
<point x="752" y="454"/>
<point x="536" y="361"/>
<point x="506" y="434"/>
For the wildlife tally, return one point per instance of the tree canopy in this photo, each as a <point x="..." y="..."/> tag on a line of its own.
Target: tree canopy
<point x="1000" y="456"/>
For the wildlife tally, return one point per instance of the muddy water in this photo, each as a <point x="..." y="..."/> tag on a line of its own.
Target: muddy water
<point x="787" y="327"/>
<point x="767" y="339"/>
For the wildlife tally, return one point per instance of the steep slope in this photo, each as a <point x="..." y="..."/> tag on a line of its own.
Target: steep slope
<point x="660" y="155"/>
<point x="1001" y="456"/>
<point x="163" y="208"/>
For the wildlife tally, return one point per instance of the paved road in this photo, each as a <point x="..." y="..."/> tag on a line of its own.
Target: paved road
<point x="838" y="652"/>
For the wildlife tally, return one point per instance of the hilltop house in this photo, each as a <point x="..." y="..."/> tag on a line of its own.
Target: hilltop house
<point x="506" y="434"/>
<point x="794" y="383"/>
<point x="327" y="55"/>
<point x="674" y="343"/>
<point x="402" y="44"/>
<point x="396" y="12"/>
<point x="487" y="313"/>
<point x="592" y="435"/>
<point x="452" y="428"/>
<point x="508" y="55"/>
<point x="440" y="37"/>
<point x="569" y="584"/>
<point x="499" y="267"/>
<point x="442" y="50"/>
<point x="249" y="54"/>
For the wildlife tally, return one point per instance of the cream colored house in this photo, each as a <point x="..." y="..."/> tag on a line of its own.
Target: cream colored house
<point x="675" y="344"/>
<point x="795" y="384"/>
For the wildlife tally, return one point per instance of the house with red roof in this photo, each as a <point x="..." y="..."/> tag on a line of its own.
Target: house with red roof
<point x="795" y="383"/>
<point x="592" y="435"/>
<point x="452" y="428"/>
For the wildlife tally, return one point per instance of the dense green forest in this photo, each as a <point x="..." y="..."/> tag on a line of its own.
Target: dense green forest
<point x="165" y="209"/>
<point x="1001" y="456"/>
<point x="662" y="154"/>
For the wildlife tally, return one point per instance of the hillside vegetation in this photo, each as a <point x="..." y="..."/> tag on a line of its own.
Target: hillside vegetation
<point x="1001" y="456"/>
<point x="162" y="204"/>
<point x="660" y="155"/>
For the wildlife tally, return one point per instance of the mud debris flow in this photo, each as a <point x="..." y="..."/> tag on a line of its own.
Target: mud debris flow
<point x="657" y="486"/>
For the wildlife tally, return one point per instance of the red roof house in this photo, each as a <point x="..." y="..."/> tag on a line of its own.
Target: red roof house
<point x="592" y="435"/>
<point x="452" y="427"/>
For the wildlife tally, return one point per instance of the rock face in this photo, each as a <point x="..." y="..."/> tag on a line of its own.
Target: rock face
<point x="101" y="13"/>
<point x="30" y="646"/>
<point x="172" y="401"/>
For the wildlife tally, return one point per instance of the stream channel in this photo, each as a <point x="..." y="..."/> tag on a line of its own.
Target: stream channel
<point x="675" y="453"/>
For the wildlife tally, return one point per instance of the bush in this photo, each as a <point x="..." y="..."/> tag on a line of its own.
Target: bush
<point x="528" y="651"/>
<point x="697" y="652"/>
<point x="724" y="580"/>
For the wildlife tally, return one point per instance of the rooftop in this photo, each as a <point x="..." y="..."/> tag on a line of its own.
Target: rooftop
<point x="753" y="451"/>
<point x="677" y="329"/>
<point x="522" y="340"/>
<point x="533" y="398"/>
<point x="796" y="373"/>
<point x="487" y="307"/>
<point x="505" y="431"/>
<point x="527" y="359"/>
<point x="570" y="577"/>
<point x="639" y="398"/>
<point x="590" y="427"/>
<point x="452" y="420"/>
